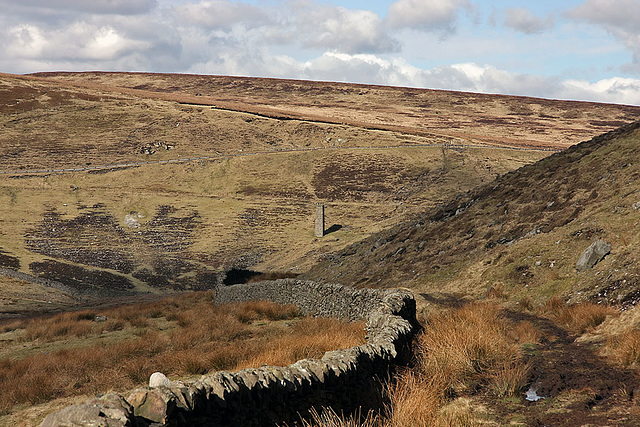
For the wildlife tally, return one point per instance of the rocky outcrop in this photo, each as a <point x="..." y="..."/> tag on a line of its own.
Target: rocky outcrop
<point x="344" y="380"/>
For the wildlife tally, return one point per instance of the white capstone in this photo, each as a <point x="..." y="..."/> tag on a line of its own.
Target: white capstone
<point x="158" y="379"/>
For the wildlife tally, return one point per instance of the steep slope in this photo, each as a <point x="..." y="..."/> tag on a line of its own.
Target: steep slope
<point x="521" y="235"/>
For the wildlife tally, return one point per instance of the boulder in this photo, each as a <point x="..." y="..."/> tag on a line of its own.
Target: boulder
<point x="593" y="254"/>
<point x="110" y="410"/>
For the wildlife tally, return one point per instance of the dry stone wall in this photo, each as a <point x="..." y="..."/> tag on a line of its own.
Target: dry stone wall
<point x="343" y="379"/>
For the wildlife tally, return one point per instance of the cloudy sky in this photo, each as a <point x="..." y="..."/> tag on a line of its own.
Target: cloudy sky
<point x="568" y="49"/>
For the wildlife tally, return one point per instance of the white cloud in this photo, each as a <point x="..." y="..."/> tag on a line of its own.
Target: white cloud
<point x="106" y="43"/>
<point x="617" y="89"/>
<point x="120" y="7"/>
<point x="523" y="20"/>
<point x="24" y="41"/>
<point x="487" y="79"/>
<point x="88" y="44"/>
<point x="304" y="25"/>
<point x="426" y="15"/>
<point x="615" y="14"/>
<point x="361" y="68"/>
<point x="618" y="17"/>
<point x="220" y="14"/>
<point x="343" y="30"/>
<point x="81" y="41"/>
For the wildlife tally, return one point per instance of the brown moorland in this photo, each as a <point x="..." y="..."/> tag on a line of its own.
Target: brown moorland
<point x="152" y="227"/>
<point x="521" y="235"/>
<point x="46" y="361"/>
<point x="265" y="152"/>
<point x="500" y="120"/>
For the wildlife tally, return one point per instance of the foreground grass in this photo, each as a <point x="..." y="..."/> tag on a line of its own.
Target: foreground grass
<point x="461" y="351"/>
<point x="73" y="354"/>
<point x="464" y="355"/>
<point x="475" y="354"/>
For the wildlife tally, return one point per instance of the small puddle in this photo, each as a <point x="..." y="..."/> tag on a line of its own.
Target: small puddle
<point x="532" y="395"/>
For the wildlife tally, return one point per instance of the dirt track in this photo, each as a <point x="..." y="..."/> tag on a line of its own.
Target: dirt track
<point x="577" y="387"/>
<point x="478" y="118"/>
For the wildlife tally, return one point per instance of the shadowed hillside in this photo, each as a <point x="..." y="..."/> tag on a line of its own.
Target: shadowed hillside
<point x="521" y="234"/>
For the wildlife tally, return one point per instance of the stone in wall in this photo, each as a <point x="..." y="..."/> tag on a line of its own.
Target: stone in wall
<point x="111" y="410"/>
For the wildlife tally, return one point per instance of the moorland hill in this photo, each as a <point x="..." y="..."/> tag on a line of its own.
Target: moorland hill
<point x="116" y="184"/>
<point x="520" y="235"/>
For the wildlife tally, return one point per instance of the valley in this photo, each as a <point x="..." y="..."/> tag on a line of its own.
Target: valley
<point x="121" y="183"/>
<point x="127" y="187"/>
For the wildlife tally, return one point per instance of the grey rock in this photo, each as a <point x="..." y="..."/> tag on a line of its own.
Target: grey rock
<point x="110" y="410"/>
<point x="131" y="221"/>
<point x="592" y="255"/>
<point x="156" y="405"/>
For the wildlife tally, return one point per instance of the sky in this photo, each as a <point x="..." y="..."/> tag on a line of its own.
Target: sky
<point x="562" y="49"/>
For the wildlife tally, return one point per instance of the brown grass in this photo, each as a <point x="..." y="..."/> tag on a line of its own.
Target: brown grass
<point x="582" y="317"/>
<point x="524" y="332"/>
<point x="309" y="338"/>
<point x="253" y="310"/>
<point x="624" y="348"/>
<point x="71" y="354"/>
<point x="415" y="400"/>
<point x="460" y="352"/>
<point x="329" y="418"/>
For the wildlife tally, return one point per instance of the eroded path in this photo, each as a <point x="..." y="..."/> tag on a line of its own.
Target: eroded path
<point x="578" y="387"/>
<point x="574" y="384"/>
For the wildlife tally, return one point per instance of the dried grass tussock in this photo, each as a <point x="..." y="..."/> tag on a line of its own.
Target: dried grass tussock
<point x="624" y="348"/>
<point x="309" y="338"/>
<point x="329" y="418"/>
<point x="460" y="351"/>
<point x="578" y="318"/>
<point x="78" y="353"/>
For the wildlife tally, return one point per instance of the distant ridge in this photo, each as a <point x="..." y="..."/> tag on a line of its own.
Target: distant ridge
<point x="499" y="120"/>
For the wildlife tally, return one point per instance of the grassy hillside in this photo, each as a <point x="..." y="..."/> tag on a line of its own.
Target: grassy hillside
<point x="521" y="234"/>
<point x="436" y="191"/>
<point x="144" y="219"/>
<point x="471" y="117"/>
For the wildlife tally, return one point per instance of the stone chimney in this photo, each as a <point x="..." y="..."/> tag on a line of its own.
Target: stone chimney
<point x="319" y="220"/>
